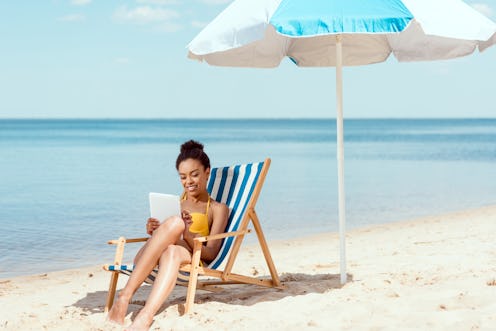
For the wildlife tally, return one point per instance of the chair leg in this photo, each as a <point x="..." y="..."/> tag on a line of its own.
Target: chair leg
<point x="265" y="248"/>
<point x="111" y="292"/>
<point x="193" y="277"/>
<point x="190" y="296"/>
<point x="119" y="252"/>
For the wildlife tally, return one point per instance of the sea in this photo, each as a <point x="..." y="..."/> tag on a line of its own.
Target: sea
<point x="69" y="186"/>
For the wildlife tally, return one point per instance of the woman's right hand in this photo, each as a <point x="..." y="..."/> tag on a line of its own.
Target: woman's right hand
<point x="151" y="225"/>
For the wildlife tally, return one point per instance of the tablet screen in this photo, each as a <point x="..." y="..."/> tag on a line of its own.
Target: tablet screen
<point x="162" y="206"/>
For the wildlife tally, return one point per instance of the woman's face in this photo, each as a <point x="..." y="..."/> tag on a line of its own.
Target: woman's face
<point x="193" y="176"/>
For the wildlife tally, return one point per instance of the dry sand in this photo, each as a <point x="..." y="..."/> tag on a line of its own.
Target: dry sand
<point x="434" y="273"/>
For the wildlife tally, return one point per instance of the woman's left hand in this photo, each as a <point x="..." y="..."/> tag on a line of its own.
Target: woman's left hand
<point x="186" y="216"/>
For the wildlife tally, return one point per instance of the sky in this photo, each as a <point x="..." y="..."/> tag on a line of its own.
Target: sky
<point x="128" y="59"/>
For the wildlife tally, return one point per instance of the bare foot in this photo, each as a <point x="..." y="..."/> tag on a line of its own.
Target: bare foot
<point x="142" y="322"/>
<point x="118" y="311"/>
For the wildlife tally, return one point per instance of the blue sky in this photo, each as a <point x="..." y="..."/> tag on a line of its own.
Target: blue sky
<point x="127" y="59"/>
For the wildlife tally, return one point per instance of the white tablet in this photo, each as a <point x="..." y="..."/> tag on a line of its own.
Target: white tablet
<point x="162" y="206"/>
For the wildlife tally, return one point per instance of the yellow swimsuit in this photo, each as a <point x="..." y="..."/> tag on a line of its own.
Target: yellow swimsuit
<point x="200" y="221"/>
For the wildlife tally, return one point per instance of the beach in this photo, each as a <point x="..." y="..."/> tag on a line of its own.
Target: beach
<point x="431" y="273"/>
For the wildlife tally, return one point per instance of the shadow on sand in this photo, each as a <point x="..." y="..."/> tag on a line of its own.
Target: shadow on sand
<point x="240" y="294"/>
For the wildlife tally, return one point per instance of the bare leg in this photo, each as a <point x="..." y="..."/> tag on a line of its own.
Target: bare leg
<point x="167" y="234"/>
<point x="139" y="253"/>
<point x="170" y="261"/>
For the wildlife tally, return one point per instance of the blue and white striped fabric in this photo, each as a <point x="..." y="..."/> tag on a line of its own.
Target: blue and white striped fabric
<point x="260" y="33"/>
<point x="230" y="185"/>
<point x="234" y="187"/>
<point x="182" y="277"/>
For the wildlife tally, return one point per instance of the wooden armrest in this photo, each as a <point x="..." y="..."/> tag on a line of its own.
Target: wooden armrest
<point x="201" y="239"/>
<point x="130" y="240"/>
<point x="222" y="235"/>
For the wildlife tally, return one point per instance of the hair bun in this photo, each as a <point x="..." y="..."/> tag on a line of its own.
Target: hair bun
<point x="191" y="145"/>
<point x="193" y="149"/>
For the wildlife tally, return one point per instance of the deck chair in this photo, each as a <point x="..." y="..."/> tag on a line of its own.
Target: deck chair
<point x="238" y="187"/>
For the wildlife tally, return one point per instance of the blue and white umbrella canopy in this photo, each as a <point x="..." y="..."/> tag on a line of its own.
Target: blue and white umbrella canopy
<point x="323" y="33"/>
<point x="260" y="33"/>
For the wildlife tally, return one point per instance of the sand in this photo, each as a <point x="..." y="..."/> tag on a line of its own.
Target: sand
<point x="434" y="273"/>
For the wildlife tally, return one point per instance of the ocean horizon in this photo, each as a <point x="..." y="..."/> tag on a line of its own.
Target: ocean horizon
<point x="70" y="185"/>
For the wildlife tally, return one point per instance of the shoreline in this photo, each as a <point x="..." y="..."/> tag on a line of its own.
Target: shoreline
<point x="251" y="239"/>
<point x="436" y="272"/>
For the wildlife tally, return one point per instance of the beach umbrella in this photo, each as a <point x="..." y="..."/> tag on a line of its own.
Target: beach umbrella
<point x="337" y="33"/>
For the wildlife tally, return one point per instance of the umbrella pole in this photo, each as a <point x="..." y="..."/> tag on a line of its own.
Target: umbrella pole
<point x="340" y="157"/>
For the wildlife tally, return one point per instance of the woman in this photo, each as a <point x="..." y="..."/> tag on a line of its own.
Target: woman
<point x="171" y="242"/>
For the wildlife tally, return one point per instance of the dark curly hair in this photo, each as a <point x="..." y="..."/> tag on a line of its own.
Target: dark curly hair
<point x="193" y="150"/>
